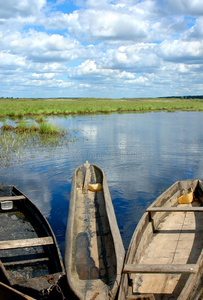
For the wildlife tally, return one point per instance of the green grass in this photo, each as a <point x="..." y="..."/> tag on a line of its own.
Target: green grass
<point x="43" y="128"/>
<point x="39" y="107"/>
<point x="48" y="128"/>
<point x="22" y="126"/>
<point x="40" y="119"/>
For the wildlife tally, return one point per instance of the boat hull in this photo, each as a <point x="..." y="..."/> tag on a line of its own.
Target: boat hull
<point x="94" y="251"/>
<point x="30" y="260"/>
<point x="165" y="257"/>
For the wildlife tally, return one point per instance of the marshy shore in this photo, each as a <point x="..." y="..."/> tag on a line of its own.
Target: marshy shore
<point x="20" y="107"/>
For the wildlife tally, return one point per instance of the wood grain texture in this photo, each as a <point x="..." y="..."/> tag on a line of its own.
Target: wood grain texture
<point x="12" y="198"/>
<point x="167" y="262"/>
<point x="161" y="268"/>
<point x="12" y="244"/>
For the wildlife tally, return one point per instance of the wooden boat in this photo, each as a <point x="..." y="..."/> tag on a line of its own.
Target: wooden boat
<point x="165" y="257"/>
<point x="94" y="251"/>
<point x="7" y="292"/>
<point x="30" y="260"/>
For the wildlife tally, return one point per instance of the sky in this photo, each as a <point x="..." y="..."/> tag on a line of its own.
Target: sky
<point x="101" y="48"/>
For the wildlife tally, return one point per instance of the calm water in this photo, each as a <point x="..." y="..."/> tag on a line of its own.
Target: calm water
<point x="141" y="155"/>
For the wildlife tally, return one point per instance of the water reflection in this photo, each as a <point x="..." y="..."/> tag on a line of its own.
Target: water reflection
<point x="141" y="155"/>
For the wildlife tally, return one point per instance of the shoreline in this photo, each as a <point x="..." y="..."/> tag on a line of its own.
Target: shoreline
<point x="19" y="108"/>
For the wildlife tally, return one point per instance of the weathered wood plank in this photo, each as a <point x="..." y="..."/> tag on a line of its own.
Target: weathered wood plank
<point x="175" y="209"/>
<point x="176" y="241"/>
<point x="12" y="244"/>
<point x="12" y="198"/>
<point x="5" y="277"/>
<point x="26" y="262"/>
<point x="141" y="297"/>
<point x="161" y="268"/>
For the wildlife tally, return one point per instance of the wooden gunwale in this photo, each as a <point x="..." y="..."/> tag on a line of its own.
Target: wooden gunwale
<point x="7" y="292"/>
<point x="182" y="270"/>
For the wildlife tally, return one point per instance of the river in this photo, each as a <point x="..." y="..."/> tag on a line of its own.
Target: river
<point x="140" y="154"/>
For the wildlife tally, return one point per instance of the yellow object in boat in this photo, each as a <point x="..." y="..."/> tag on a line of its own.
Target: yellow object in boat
<point x="186" y="199"/>
<point x="95" y="187"/>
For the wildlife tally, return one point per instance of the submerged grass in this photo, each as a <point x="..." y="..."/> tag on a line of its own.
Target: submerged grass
<point x="14" y="145"/>
<point x="16" y="140"/>
<point x="39" y="107"/>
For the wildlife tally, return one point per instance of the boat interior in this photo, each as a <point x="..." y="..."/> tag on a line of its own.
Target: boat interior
<point x="94" y="258"/>
<point x="27" y="248"/>
<point x="167" y="246"/>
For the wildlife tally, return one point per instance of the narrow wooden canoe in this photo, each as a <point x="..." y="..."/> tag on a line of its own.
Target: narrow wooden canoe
<point x="94" y="251"/>
<point x="30" y="260"/>
<point x="165" y="256"/>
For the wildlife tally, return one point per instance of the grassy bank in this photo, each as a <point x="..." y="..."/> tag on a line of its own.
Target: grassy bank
<point x="24" y="107"/>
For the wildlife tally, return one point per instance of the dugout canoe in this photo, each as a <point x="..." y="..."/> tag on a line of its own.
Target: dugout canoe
<point x="165" y="256"/>
<point x="94" y="251"/>
<point x="30" y="260"/>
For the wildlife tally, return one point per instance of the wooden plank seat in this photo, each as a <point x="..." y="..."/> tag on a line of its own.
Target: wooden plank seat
<point x="12" y="198"/>
<point x="175" y="209"/>
<point x="26" y="262"/>
<point x="161" y="268"/>
<point x="13" y="244"/>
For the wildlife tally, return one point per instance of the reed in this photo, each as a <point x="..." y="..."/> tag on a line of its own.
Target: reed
<point x="22" y="126"/>
<point x="43" y="128"/>
<point x="48" y="128"/>
<point x="14" y="144"/>
<point x="40" y="119"/>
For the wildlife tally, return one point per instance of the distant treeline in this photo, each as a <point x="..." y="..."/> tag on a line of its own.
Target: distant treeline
<point x="185" y="97"/>
<point x="87" y="98"/>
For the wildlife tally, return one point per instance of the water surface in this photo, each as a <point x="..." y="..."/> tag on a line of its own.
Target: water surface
<point x="141" y="155"/>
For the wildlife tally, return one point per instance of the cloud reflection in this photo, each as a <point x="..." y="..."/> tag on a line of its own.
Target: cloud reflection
<point x="141" y="155"/>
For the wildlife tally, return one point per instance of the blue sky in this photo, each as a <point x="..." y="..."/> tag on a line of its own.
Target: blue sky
<point x="120" y="48"/>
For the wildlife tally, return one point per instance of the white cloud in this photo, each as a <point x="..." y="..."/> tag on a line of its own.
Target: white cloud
<point x="196" y="32"/>
<point x="104" y="23"/>
<point x="24" y="8"/>
<point x="127" y="46"/>
<point x="137" y="58"/>
<point x="11" y="62"/>
<point x="90" y="69"/>
<point x="182" y="51"/>
<point x="43" y="76"/>
<point x="114" y="25"/>
<point x="140" y="80"/>
<point x="189" y="7"/>
<point x="39" y="46"/>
